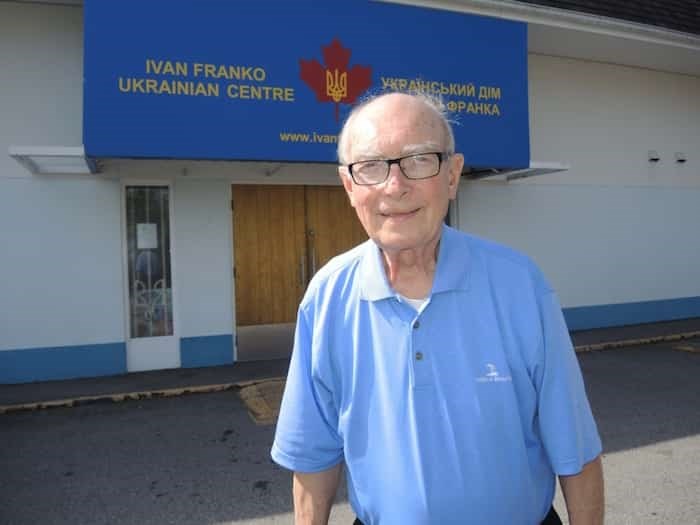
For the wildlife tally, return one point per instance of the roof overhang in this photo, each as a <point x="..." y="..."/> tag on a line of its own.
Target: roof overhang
<point x="566" y="33"/>
<point x="41" y="160"/>
<point x="507" y="175"/>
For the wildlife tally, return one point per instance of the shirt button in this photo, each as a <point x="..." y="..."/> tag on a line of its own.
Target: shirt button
<point x="419" y="356"/>
<point x="416" y="325"/>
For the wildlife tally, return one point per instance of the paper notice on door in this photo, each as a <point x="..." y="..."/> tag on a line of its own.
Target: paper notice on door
<point x="147" y="236"/>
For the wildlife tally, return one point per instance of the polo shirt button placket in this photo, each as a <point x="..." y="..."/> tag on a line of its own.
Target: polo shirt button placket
<point x="420" y="363"/>
<point x="416" y="326"/>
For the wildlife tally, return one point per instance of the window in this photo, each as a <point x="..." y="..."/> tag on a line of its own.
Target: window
<point x="148" y="254"/>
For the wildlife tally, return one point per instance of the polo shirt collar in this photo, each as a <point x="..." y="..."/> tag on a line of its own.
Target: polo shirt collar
<point x="454" y="262"/>
<point x="452" y="272"/>
<point x="374" y="285"/>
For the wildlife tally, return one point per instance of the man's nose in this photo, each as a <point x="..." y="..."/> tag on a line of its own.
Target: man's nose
<point x="396" y="181"/>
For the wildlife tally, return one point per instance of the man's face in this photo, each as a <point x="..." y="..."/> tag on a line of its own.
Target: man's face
<point x="400" y="214"/>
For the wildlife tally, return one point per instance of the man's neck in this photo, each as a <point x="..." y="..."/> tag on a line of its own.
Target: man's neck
<point x="411" y="272"/>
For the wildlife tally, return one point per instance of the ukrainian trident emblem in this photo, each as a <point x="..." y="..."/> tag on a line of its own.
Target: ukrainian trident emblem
<point x="337" y="85"/>
<point x="335" y="82"/>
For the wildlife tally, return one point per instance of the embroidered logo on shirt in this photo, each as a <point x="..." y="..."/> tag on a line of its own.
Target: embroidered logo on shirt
<point x="492" y="375"/>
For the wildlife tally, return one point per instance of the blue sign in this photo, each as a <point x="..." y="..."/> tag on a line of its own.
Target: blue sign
<point x="273" y="80"/>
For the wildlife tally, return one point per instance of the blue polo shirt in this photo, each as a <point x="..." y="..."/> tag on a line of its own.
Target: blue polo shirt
<point x="462" y="412"/>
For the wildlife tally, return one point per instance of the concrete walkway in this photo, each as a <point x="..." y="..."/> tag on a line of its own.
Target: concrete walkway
<point x="167" y="383"/>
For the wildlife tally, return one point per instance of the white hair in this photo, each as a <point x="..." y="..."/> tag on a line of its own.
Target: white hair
<point x="430" y="100"/>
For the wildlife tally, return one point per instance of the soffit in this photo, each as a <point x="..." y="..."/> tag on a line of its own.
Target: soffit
<point x="586" y="36"/>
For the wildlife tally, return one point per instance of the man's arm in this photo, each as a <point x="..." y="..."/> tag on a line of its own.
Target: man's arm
<point x="314" y="495"/>
<point x="584" y="494"/>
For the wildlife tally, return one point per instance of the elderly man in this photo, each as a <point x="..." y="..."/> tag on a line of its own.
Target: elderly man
<point x="435" y="365"/>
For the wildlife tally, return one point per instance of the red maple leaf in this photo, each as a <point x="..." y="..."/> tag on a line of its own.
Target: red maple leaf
<point x="335" y="83"/>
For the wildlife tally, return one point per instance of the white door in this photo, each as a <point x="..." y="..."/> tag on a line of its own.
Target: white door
<point x="151" y="341"/>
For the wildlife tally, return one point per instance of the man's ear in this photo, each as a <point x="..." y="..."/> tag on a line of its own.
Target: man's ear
<point x="347" y="183"/>
<point x="455" y="174"/>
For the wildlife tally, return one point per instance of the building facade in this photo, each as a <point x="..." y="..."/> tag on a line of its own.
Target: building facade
<point x="113" y="264"/>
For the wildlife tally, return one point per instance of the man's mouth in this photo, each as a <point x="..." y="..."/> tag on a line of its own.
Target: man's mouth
<point x="399" y="214"/>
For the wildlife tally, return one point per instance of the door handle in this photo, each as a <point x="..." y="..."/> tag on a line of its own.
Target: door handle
<point x="312" y="249"/>
<point x="302" y="271"/>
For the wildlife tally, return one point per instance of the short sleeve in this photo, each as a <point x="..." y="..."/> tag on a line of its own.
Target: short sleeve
<point x="566" y="423"/>
<point x="306" y="437"/>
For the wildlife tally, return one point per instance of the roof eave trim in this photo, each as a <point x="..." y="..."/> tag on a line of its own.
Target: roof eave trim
<point x="567" y="19"/>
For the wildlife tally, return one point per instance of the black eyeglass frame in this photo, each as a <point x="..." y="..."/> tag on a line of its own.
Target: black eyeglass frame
<point x="441" y="155"/>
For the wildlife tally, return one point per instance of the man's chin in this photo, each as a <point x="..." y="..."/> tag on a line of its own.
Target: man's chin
<point x="400" y="239"/>
<point x="396" y="241"/>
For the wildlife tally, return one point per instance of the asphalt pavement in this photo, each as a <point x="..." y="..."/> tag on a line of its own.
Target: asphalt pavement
<point x="200" y="459"/>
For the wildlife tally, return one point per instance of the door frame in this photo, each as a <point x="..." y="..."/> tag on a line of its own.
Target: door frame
<point x="232" y="268"/>
<point x="172" y="341"/>
<point x="267" y="335"/>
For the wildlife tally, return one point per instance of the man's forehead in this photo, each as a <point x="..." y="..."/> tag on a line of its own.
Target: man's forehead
<point x="376" y="150"/>
<point x="399" y="127"/>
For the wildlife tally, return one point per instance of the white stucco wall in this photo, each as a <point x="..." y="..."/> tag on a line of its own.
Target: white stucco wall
<point x="614" y="228"/>
<point x="60" y="248"/>
<point x="203" y="257"/>
<point x="41" y="68"/>
<point x="61" y="263"/>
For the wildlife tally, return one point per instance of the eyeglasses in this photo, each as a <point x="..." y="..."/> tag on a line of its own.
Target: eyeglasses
<point x="415" y="167"/>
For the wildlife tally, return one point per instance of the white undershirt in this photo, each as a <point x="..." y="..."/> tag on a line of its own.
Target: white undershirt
<point x="416" y="303"/>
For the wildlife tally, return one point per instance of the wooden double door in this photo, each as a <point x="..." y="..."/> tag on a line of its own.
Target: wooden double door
<point x="282" y="236"/>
